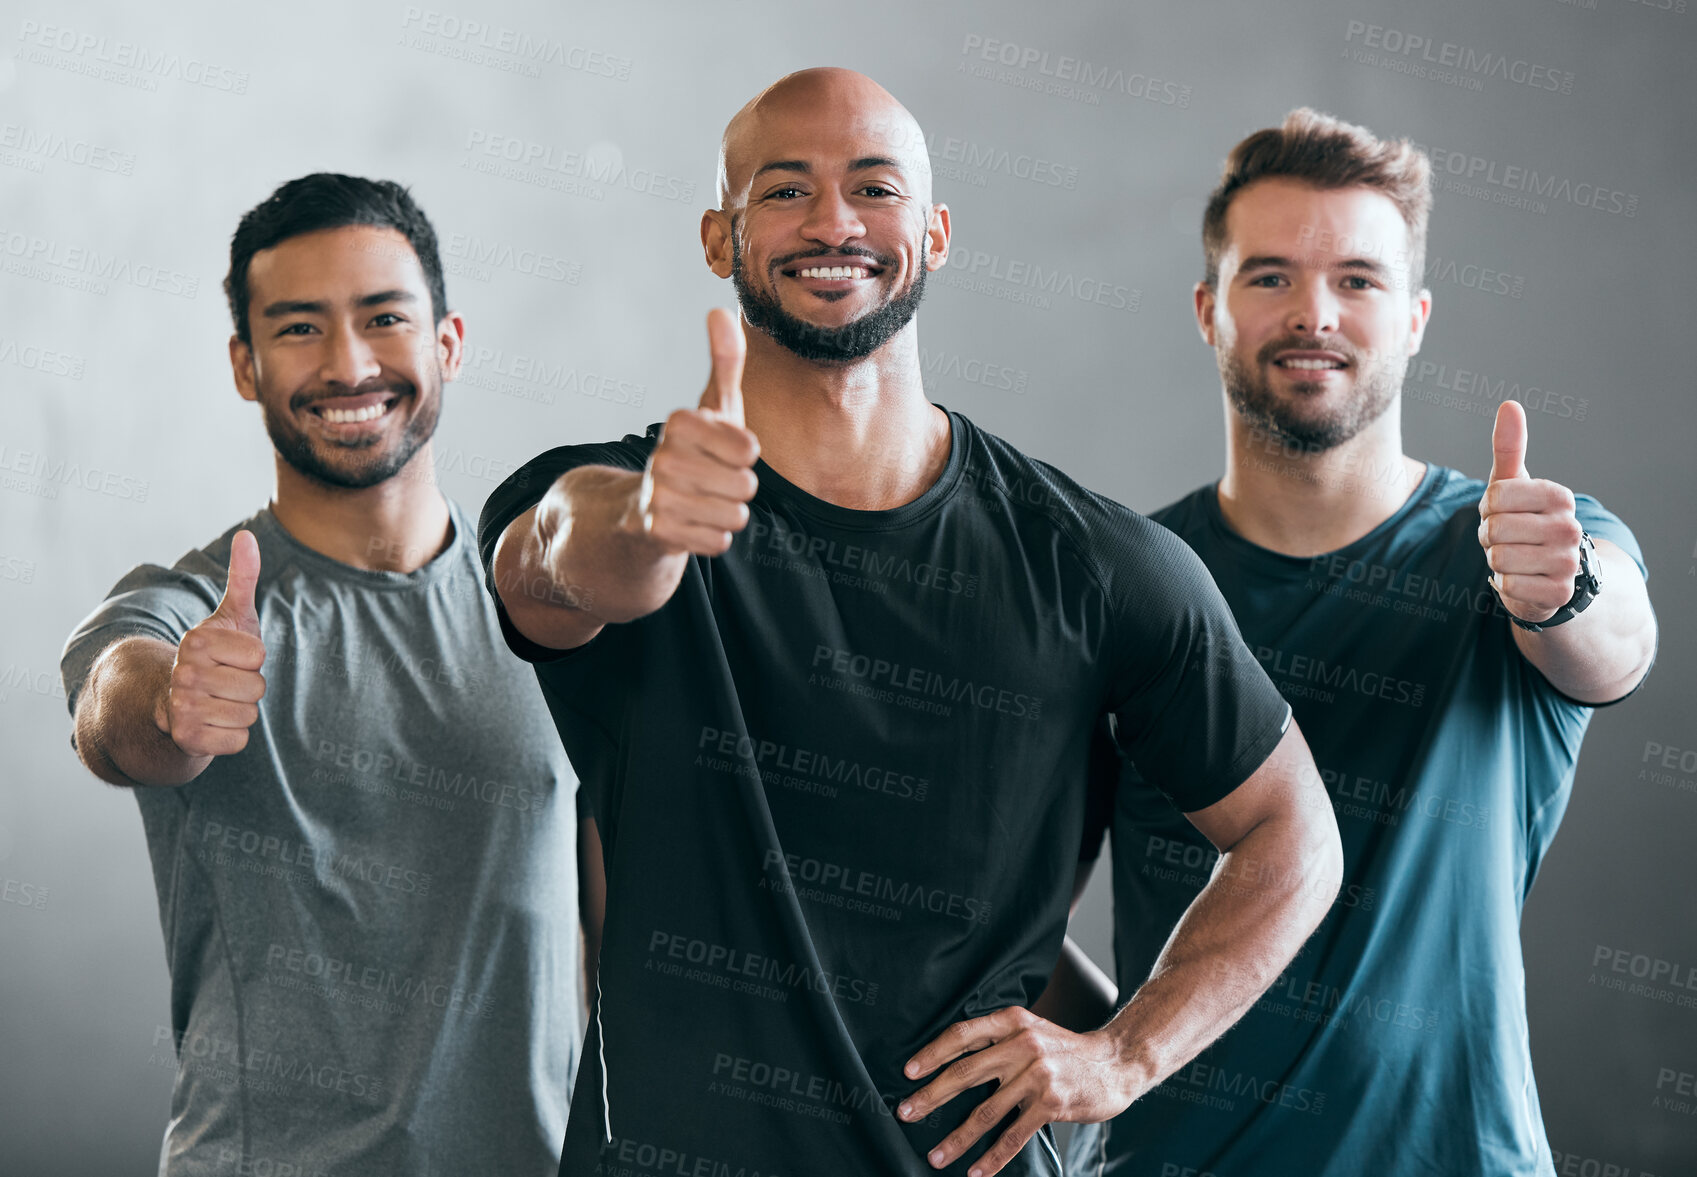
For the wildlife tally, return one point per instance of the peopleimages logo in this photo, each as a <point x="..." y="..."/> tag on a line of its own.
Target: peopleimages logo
<point x="1520" y="186"/>
<point x="1450" y="55"/>
<point x="916" y="680"/>
<point x="830" y="882"/>
<point x="735" y="965"/>
<point x="1054" y="73"/>
<point x="780" y="538"/>
<point x="86" y="52"/>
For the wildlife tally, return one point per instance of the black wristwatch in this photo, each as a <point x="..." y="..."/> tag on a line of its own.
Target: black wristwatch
<point x="1586" y="586"/>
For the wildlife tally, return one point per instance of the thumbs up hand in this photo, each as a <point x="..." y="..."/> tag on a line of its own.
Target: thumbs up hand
<point x="699" y="480"/>
<point x="1527" y="526"/>
<point x="213" y="697"/>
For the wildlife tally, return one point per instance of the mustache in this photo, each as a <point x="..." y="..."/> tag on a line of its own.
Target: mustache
<point x="842" y="251"/>
<point x="1307" y="343"/>
<point x="306" y="398"/>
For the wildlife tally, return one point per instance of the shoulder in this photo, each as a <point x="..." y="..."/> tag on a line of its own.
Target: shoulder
<point x="630" y="452"/>
<point x="524" y="488"/>
<point x="998" y="471"/>
<point x="1124" y="549"/>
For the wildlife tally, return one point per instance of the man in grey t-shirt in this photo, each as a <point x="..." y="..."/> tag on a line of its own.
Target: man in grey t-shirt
<point x="362" y="838"/>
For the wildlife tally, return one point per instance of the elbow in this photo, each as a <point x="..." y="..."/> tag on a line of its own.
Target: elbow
<point x="1324" y="853"/>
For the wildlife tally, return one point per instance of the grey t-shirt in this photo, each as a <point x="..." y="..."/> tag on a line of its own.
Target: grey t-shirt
<point x="370" y="913"/>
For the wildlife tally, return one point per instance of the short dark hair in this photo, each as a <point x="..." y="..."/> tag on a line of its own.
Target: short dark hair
<point x="1327" y="153"/>
<point x="328" y="200"/>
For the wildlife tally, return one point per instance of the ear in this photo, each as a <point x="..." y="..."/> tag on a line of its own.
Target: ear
<point x="716" y="230"/>
<point x="450" y="344"/>
<point x="1419" y="315"/>
<point x="241" y="367"/>
<point x="1205" y="312"/>
<point x="937" y="237"/>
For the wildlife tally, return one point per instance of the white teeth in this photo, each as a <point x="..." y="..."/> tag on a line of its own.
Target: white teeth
<point x="1309" y="365"/>
<point x="344" y="416"/>
<point x="832" y="272"/>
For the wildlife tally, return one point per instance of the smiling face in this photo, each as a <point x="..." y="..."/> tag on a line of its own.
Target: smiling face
<point x="346" y="361"/>
<point x="1312" y="319"/>
<point x="826" y="224"/>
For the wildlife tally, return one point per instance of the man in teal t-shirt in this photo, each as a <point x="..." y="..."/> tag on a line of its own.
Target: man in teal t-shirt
<point x="1396" y="1043"/>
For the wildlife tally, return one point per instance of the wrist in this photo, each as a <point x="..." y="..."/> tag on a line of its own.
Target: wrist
<point x="1132" y="1069"/>
<point x="1587" y="584"/>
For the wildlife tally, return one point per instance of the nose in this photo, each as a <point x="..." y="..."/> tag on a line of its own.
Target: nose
<point x="1313" y="308"/>
<point x="832" y="220"/>
<point x="348" y="359"/>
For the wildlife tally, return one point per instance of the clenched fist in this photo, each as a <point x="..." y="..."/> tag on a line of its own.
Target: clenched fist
<point x="1527" y="527"/>
<point x="699" y="480"/>
<point x="213" y="697"/>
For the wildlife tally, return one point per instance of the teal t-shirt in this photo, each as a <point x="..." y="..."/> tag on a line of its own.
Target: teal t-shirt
<point x="1396" y="1043"/>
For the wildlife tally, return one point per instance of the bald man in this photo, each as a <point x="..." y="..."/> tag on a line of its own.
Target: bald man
<point x="827" y="657"/>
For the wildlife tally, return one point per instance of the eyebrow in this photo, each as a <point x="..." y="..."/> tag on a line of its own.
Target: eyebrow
<point x="286" y="307"/>
<point x="1268" y="261"/>
<point x="802" y="166"/>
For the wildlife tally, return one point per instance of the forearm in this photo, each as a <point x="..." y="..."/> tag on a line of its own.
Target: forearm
<point x="576" y="561"/>
<point x="1267" y="894"/>
<point x="1601" y="654"/>
<point x="1079" y="996"/>
<point x="117" y="735"/>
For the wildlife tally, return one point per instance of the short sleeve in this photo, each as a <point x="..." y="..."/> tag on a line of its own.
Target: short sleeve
<point x="1603" y="523"/>
<point x="1195" y="711"/>
<point x="150" y="601"/>
<point x="522" y="490"/>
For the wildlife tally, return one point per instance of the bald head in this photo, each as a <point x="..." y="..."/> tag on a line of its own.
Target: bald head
<point x="791" y="120"/>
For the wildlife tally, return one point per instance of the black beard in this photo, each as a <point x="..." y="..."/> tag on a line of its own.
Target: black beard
<point x="296" y="447"/>
<point x="1251" y="395"/>
<point x="824" y="345"/>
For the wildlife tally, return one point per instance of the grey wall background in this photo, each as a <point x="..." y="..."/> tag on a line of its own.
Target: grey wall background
<point x="130" y="143"/>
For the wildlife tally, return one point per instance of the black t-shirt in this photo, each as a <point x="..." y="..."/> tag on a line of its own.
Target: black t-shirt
<point x="840" y="782"/>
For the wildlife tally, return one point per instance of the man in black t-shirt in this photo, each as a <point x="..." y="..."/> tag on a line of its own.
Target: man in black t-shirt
<point x="833" y="709"/>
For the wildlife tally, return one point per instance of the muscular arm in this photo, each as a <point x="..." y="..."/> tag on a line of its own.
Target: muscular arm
<point x="151" y="713"/>
<point x="574" y="563"/>
<point x="1604" y="652"/>
<point x="1280" y="867"/>
<point x="605" y="546"/>
<point x="1530" y="531"/>
<point x="117" y="734"/>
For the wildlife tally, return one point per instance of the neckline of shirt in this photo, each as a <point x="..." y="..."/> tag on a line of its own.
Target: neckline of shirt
<point x="934" y="496"/>
<point x="1249" y="551"/>
<point x="437" y="568"/>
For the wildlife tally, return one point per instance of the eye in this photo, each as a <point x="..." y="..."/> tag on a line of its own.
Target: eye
<point x="1266" y="279"/>
<point x="387" y="319"/>
<point x="780" y="193"/>
<point x="878" y="190"/>
<point x="297" y="329"/>
<point x="1366" y="283"/>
